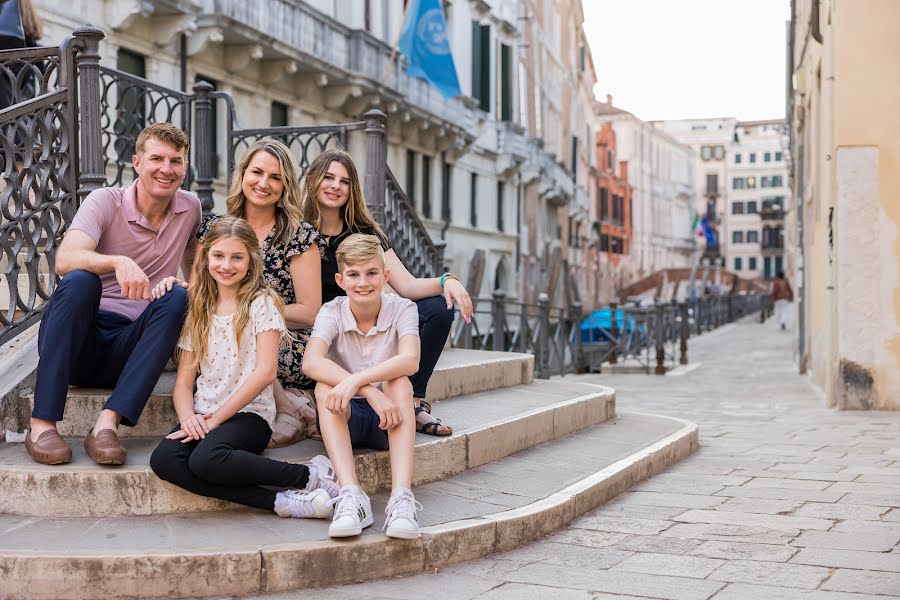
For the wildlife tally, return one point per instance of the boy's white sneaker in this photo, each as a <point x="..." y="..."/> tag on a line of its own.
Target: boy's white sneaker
<point x="322" y="476"/>
<point x="352" y="513"/>
<point x="304" y="504"/>
<point x="401" y="521"/>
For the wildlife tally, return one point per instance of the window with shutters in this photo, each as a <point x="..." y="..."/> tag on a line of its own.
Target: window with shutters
<point x="481" y="65"/>
<point x="426" y="186"/>
<point x="504" y="85"/>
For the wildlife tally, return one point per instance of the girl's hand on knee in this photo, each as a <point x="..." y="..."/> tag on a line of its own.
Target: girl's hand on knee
<point x="165" y="286"/>
<point x="193" y="428"/>
<point x="455" y="292"/>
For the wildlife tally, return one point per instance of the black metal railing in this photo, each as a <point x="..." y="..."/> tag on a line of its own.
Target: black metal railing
<point x="648" y="338"/>
<point x="127" y="105"/>
<point x="38" y="162"/>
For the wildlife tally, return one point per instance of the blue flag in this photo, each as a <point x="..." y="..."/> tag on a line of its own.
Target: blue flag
<point x="708" y="232"/>
<point x="424" y="42"/>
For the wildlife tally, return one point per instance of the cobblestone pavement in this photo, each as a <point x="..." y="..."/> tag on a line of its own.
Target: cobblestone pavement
<point x="785" y="499"/>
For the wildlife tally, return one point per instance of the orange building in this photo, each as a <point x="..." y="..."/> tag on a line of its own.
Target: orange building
<point x="613" y="226"/>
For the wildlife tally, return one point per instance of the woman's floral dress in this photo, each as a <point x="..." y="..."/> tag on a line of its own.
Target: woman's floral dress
<point x="277" y="273"/>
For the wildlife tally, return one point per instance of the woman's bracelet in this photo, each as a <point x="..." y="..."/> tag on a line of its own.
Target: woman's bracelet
<point x="447" y="276"/>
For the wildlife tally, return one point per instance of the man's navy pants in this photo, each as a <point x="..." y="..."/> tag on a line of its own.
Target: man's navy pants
<point x="81" y="345"/>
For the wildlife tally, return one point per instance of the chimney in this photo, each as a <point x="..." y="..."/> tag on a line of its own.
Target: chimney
<point x="609" y="99"/>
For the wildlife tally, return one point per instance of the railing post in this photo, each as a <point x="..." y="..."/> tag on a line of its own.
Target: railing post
<point x="575" y="317"/>
<point x="543" y="349"/>
<point x="685" y="332"/>
<point x="730" y="306"/>
<point x="376" y="163"/>
<point x="499" y="320"/>
<point x="660" y="339"/>
<point x="614" y="332"/>
<point x="92" y="169"/>
<point x="203" y="144"/>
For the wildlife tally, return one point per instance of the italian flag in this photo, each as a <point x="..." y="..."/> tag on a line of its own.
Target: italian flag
<point x="697" y="226"/>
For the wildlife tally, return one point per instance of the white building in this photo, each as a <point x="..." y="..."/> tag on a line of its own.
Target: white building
<point x="742" y="171"/>
<point x="661" y="174"/>
<point x="758" y="199"/>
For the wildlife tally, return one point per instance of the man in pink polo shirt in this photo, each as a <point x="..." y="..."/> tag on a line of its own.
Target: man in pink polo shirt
<point x="101" y="327"/>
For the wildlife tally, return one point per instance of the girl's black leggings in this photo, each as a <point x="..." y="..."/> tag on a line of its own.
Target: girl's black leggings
<point x="226" y="464"/>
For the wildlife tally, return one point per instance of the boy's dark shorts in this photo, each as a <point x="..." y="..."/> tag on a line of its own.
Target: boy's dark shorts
<point x="363" y="426"/>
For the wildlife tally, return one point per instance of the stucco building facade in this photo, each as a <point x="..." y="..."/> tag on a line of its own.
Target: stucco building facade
<point x="843" y="233"/>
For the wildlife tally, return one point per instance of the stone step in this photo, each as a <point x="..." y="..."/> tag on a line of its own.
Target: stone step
<point x="489" y="425"/>
<point x="491" y="508"/>
<point x="458" y="372"/>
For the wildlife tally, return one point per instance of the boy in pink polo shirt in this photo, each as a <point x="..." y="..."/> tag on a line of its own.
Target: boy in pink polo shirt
<point x="108" y="324"/>
<point x="362" y="350"/>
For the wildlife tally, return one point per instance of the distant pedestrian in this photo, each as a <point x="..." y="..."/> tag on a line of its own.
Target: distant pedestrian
<point x="782" y="295"/>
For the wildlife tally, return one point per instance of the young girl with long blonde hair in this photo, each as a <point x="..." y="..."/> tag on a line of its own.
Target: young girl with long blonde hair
<point x="229" y="348"/>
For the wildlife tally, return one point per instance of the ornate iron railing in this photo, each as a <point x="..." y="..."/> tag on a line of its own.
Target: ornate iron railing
<point x="38" y="167"/>
<point x="645" y="338"/>
<point x="410" y="240"/>
<point x="128" y="104"/>
<point x="28" y="73"/>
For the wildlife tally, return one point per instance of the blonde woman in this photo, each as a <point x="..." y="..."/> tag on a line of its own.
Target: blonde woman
<point x="229" y="348"/>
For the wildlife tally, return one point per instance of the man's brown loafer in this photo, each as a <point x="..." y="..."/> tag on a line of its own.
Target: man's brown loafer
<point x="105" y="448"/>
<point x="49" y="448"/>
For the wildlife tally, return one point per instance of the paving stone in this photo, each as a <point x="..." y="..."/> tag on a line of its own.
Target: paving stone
<point x="849" y="559"/>
<point x="840" y="511"/>
<point x="669" y="564"/>
<point x="519" y="591"/>
<point x="889" y="500"/>
<point x="770" y="573"/>
<point x="617" y="524"/>
<point x="639" y="511"/>
<point x="556" y="553"/>
<point x="853" y="487"/>
<point x="783" y="494"/>
<point x="658" y="544"/>
<point x="789" y="524"/>
<point x="700" y="489"/>
<point x="744" y="551"/>
<point x="847" y="541"/>
<point x="866" y="582"/>
<point x="731" y="533"/>
<point x="641" y="584"/>
<point x="743" y="591"/>
<point x="587" y="537"/>
<point x="808" y="467"/>
<point x="761" y="506"/>
<point x="678" y="500"/>
<point x="868" y="527"/>
<point x="892" y="515"/>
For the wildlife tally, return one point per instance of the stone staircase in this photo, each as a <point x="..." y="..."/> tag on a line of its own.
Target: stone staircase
<point x="527" y="456"/>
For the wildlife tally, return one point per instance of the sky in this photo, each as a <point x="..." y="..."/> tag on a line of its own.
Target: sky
<point x="681" y="59"/>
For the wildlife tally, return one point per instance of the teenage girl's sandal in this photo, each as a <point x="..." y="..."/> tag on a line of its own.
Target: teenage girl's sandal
<point x="433" y="428"/>
<point x="287" y="429"/>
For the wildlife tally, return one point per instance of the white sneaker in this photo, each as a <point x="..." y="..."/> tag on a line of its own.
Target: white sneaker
<point x="305" y="504"/>
<point x="401" y="521"/>
<point x="352" y="513"/>
<point x="325" y="478"/>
